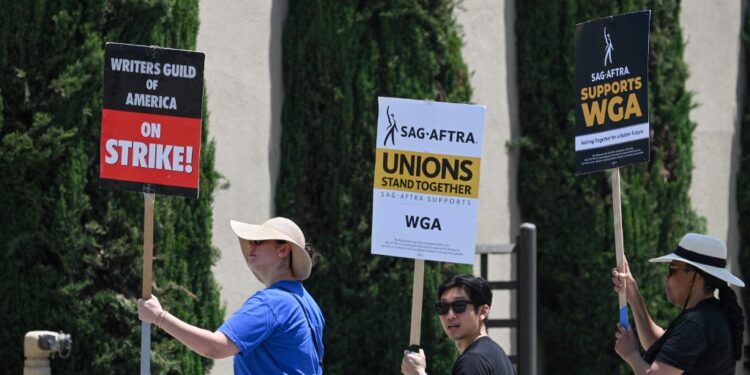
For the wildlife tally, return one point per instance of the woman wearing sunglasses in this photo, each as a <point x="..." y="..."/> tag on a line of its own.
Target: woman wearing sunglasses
<point x="706" y="338"/>
<point x="279" y="330"/>
<point x="463" y="307"/>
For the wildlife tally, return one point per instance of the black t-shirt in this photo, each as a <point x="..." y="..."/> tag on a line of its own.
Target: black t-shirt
<point x="698" y="342"/>
<point x="483" y="357"/>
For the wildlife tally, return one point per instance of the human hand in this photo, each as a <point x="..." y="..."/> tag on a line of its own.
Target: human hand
<point x="149" y="310"/>
<point x="413" y="363"/>
<point x="625" y="344"/>
<point x="625" y="281"/>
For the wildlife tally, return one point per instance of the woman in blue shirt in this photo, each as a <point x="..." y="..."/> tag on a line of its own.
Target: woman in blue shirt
<point x="278" y="330"/>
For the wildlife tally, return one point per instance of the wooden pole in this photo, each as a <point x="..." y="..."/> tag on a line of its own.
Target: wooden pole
<point x="619" y="243"/>
<point x="416" y="303"/>
<point x="148" y="257"/>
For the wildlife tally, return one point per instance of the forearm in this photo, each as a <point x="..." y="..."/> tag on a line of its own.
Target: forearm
<point x="204" y="342"/>
<point x="639" y="366"/>
<point x="648" y="331"/>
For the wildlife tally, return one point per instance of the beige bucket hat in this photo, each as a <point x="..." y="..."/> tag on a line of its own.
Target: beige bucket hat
<point x="704" y="252"/>
<point x="278" y="228"/>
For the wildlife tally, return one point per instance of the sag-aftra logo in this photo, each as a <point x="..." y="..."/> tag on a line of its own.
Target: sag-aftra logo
<point x="409" y="131"/>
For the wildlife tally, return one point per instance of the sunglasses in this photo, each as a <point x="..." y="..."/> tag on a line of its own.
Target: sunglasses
<point x="257" y="243"/>
<point x="671" y="270"/>
<point x="457" y="306"/>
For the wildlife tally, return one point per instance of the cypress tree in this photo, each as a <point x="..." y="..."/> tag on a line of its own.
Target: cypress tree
<point x="72" y="250"/>
<point x="338" y="58"/>
<point x="577" y="308"/>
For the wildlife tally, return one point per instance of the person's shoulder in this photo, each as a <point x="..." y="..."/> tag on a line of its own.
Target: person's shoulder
<point x="486" y="343"/>
<point x="705" y="313"/>
<point x="495" y="353"/>
<point x="277" y="293"/>
<point x="708" y="305"/>
<point x="478" y="363"/>
<point x="288" y="286"/>
<point x="472" y="363"/>
<point x="484" y="356"/>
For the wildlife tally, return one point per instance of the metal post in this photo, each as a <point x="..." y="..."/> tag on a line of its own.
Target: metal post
<point x="483" y="260"/>
<point x="527" y="300"/>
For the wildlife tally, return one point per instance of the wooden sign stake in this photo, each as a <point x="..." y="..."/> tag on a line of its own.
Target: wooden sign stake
<point x="417" y="291"/>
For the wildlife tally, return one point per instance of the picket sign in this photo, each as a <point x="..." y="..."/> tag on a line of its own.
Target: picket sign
<point x="426" y="187"/>
<point x="612" y="127"/>
<point x="151" y="135"/>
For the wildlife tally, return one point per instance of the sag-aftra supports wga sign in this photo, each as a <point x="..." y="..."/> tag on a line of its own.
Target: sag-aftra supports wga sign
<point x="612" y="128"/>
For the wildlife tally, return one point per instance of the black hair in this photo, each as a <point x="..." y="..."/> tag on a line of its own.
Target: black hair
<point x="314" y="254"/>
<point x="477" y="288"/>
<point x="728" y="301"/>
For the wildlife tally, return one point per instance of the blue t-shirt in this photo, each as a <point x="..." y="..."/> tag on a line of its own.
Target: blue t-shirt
<point x="271" y="331"/>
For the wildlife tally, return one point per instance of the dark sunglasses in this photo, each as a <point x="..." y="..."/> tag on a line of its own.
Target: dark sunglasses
<point x="457" y="306"/>
<point x="257" y="243"/>
<point x="671" y="270"/>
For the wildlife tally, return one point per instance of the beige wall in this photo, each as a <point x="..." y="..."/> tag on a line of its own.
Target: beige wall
<point x="489" y="52"/>
<point x="242" y="42"/>
<point x="712" y="32"/>
<point x="711" y="29"/>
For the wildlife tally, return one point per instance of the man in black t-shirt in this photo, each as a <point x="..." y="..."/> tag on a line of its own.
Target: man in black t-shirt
<point x="478" y="354"/>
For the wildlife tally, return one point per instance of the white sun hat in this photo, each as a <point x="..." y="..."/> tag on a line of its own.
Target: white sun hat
<point x="704" y="252"/>
<point x="278" y="228"/>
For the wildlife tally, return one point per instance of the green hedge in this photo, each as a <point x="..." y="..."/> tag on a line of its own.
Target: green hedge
<point x="338" y="58"/>
<point x="71" y="250"/>
<point x="573" y="214"/>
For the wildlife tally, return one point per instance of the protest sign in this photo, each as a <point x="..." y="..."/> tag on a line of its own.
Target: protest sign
<point x="151" y="135"/>
<point x="611" y="76"/>
<point x="151" y="120"/>
<point x="612" y="128"/>
<point x="426" y="186"/>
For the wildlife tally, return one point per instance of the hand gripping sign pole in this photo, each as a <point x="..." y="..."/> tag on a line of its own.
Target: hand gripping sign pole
<point x="612" y="128"/>
<point x="148" y="256"/>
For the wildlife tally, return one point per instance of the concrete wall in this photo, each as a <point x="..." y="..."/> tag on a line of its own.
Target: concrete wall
<point x="242" y="42"/>
<point x="713" y="53"/>
<point x="712" y="32"/>
<point x="489" y="52"/>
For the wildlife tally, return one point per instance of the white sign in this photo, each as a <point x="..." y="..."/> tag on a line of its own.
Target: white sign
<point x="426" y="185"/>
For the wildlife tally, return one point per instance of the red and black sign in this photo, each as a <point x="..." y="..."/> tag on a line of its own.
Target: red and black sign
<point x="151" y="120"/>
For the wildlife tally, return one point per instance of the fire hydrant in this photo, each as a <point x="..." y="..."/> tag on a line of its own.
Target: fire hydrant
<point x="38" y="346"/>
